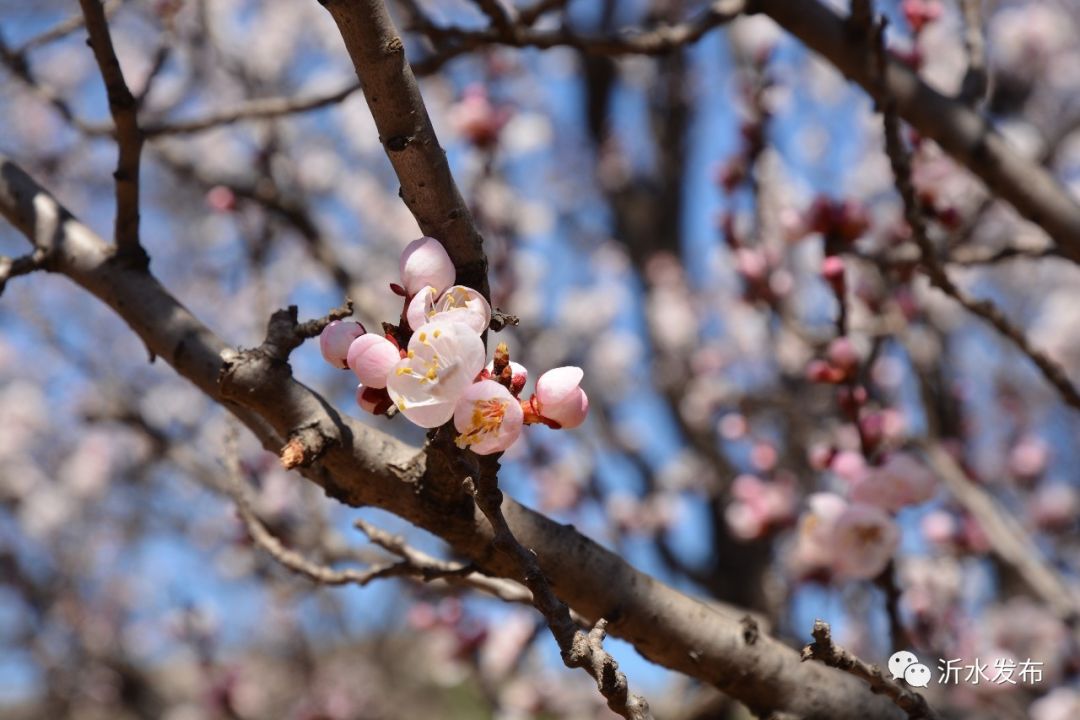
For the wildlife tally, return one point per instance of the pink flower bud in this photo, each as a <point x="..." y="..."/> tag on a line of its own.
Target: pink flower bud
<point x="920" y="13"/>
<point x="832" y="269"/>
<point x="335" y="340"/>
<point x="559" y="397"/>
<point x="900" y="481"/>
<point x="488" y="418"/>
<point x="843" y="355"/>
<point x="425" y="262"/>
<point x="371" y="357"/>
<point x="519" y="375"/>
<point x="221" y="199"/>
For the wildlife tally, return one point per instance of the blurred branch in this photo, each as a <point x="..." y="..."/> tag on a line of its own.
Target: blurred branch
<point x="63" y="28"/>
<point x="263" y="191"/>
<point x="1007" y="538"/>
<point x="824" y="650"/>
<point x="900" y="160"/>
<point x="1008" y="253"/>
<point x="497" y="14"/>
<point x="260" y="109"/>
<point x="24" y="265"/>
<point x="411" y="564"/>
<point x="577" y="648"/>
<point x="18" y="65"/>
<point x="660" y="40"/>
<point x="393" y="97"/>
<point x="974" y="86"/>
<point x="529" y="15"/>
<point x="129" y="139"/>
<point x="959" y="130"/>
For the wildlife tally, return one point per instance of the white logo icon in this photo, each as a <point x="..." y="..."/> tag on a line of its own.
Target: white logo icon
<point x="917" y="675"/>
<point x="900" y="661"/>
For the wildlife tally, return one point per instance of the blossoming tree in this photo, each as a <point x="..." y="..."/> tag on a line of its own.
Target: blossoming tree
<point x="739" y="330"/>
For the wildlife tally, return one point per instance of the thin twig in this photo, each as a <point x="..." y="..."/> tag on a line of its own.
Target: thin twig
<point x="577" y="648"/>
<point x="129" y="140"/>
<point x="529" y="15"/>
<point x="260" y="109"/>
<point x="23" y="265"/>
<point x="973" y="89"/>
<point x="824" y="650"/>
<point x="62" y="29"/>
<point x="412" y="563"/>
<point x="497" y="14"/>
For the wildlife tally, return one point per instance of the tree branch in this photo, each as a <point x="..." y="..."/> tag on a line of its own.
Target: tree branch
<point x="1006" y="537"/>
<point x="577" y="649"/>
<point x="260" y="109"/>
<point x="405" y="130"/>
<point x="657" y="41"/>
<point x="129" y="139"/>
<point x="824" y="650"/>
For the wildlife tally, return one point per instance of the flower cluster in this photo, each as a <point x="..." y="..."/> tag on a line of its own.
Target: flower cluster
<point x="431" y="366"/>
<point x="855" y="538"/>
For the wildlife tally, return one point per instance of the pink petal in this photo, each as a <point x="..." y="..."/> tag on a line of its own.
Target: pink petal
<point x="425" y="262"/>
<point x="558" y="384"/>
<point x="488" y="418"/>
<point x="372" y="357"/>
<point x="335" y="339"/>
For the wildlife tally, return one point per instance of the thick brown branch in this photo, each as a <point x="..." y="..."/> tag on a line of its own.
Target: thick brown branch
<point x="129" y="139"/>
<point x="427" y="187"/>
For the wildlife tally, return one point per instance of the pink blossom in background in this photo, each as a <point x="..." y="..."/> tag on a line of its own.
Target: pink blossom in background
<point x="425" y="262"/>
<point x="442" y="361"/>
<point x="759" y="505"/>
<point x="813" y="552"/>
<point x="864" y="540"/>
<point x="488" y="418"/>
<point x="940" y="528"/>
<point x="335" y="339"/>
<point x="371" y="357"/>
<point x="476" y="119"/>
<point x="1054" y="507"/>
<point x="1028" y="457"/>
<point x="849" y="466"/>
<point x="920" y="13"/>
<point x="897" y="483"/>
